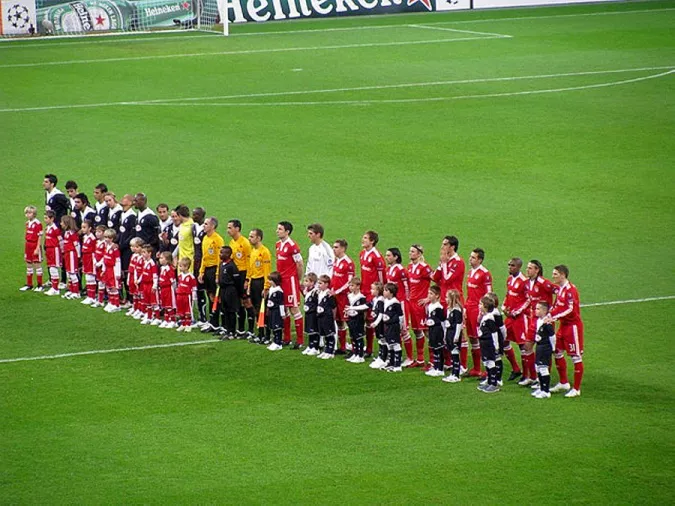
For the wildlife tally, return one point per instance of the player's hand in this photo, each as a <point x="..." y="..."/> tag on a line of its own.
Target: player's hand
<point x="264" y="293"/>
<point x="423" y="302"/>
<point x="201" y="278"/>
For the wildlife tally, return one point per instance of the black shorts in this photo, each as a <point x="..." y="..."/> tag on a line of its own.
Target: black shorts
<point x="356" y="328"/>
<point x="210" y="284"/>
<point x="436" y="337"/>
<point x="326" y="325"/>
<point x="543" y="354"/>
<point x="392" y="334"/>
<point x="487" y="349"/>
<point x="311" y="323"/>
<point x="229" y="299"/>
<point x="241" y="282"/>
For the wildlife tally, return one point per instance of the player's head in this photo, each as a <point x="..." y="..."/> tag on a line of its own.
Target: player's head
<point x="49" y="182"/>
<point x="198" y="214"/>
<point x="183" y="211"/>
<point x="184" y="264"/>
<point x="225" y="253"/>
<point x="99" y="231"/>
<point x="110" y="235"/>
<point x="71" y="188"/>
<point x="127" y="201"/>
<point x="165" y="257"/>
<point x="393" y="256"/>
<point x="476" y="258"/>
<point x="30" y="212"/>
<point x="355" y="284"/>
<point x="560" y="274"/>
<point x="534" y="269"/>
<point x="376" y="289"/>
<point x="451" y="242"/>
<point x="146" y="251"/>
<point x="136" y="243"/>
<point x="487" y="304"/>
<point x="68" y="223"/>
<point x="275" y="278"/>
<point x="50" y="216"/>
<point x="315" y="232"/>
<point x="542" y="309"/>
<point x="81" y="201"/>
<point x="515" y="264"/>
<point x="162" y="211"/>
<point x="390" y="290"/>
<point x="87" y="226"/>
<point x="99" y="191"/>
<point x="324" y="281"/>
<point x="494" y="297"/>
<point x="255" y="236"/>
<point x="416" y="253"/>
<point x="310" y="280"/>
<point x="434" y="293"/>
<point x="140" y="201"/>
<point x="284" y="229"/>
<point x="453" y="298"/>
<point x="340" y="247"/>
<point x="234" y="228"/>
<point x="370" y="239"/>
<point x="110" y="200"/>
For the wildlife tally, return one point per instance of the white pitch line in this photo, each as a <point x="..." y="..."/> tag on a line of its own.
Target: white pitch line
<point x="436" y="27"/>
<point x="207" y="341"/>
<point x="21" y="44"/>
<point x="165" y="101"/>
<point x="405" y="100"/>
<point x="241" y="52"/>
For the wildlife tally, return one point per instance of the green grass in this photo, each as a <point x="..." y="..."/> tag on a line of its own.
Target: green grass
<point x="582" y="177"/>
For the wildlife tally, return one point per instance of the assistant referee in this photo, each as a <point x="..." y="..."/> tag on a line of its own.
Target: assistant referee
<point x="211" y="244"/>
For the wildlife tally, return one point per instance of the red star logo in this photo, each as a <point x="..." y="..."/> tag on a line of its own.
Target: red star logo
<point x="186" y="5"/>
<point x="99" y="20"/>
<point x="426" y="3"/>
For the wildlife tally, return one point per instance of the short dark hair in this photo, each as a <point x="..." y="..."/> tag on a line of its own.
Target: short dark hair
<point x="182" y="210"/>
<point x="88" y="222"/>
<point x="562" y="268"/>
<point x="373" y="236"/>
<point x="452" y="241"/>
<point x="257" y="232"/>
<point x="71" y="185"/>
<point x="162" y="206"/>
<point x="226" y="248"/>
<point x="391" y="288"/>
<point x="544" y="304"/>
<point x="102" y="187"/>
<point x="397" y="254"/>
<point x="288" y="226"/>
<point x="214" y="221"/>
<point x="235" y="223"/>
<point x="50" y="214"/>
<point x="479" y="252"/>
<point x="83" y="197"/>
<point x="317" y="228"/>
<point x="341" y="242"/>
<point x="52" y="178"/>
<point x="435" y="290"/>
<point x="488" y="302"/>
<point x="275" y="277"/>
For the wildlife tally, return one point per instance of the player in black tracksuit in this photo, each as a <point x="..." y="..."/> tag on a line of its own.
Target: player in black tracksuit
<point x="356" y="320"/>
<point x="393" y="314"/>
<point x="545" y="339"/>
<point x="435" y="319"/>
<point x="311" y="319"/>
<point x="229" y="293"/>
<point x="489" y="343"/>
<point x="326" y="317"/>
<point x="276" y="312"/>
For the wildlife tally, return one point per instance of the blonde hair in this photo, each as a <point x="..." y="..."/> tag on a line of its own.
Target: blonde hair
<point x="136" y="241"/>
<point x="30" y="209"/>
<point x="110" y="234"/>
<point x="454" y="299"/>
<point x="183" y="262"/>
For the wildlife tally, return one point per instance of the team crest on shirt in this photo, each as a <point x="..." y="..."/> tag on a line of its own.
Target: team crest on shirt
<point x="239" y="254"/>
<point x="258" y="263"/>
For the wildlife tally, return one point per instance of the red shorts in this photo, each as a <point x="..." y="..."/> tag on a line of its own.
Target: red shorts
<point x="29" y="254"/>
<point x="108" y="278"/>
<point x="184" y="304"/>
<point x="167" y="297"/>
<point x="291" y="289"/>
<point x="570" y="338"/>
<point x="341" y="301"/>
<point x="418" y="315"/>
<point x="88" y="263"/>
<point x="53" y="257"/>
<point x="405" y="305"/>
<point x="517" y="329"/>
<point x="70" y="261"/>
<point x="149" y="295"/>
<point x="471" y="323"/>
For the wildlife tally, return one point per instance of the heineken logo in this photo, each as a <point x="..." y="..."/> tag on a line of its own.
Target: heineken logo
<point x="164" y="9"/>
<point x="83" y="15"/>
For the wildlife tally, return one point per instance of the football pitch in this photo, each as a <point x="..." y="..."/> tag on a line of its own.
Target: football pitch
<point x="541" y="133"/>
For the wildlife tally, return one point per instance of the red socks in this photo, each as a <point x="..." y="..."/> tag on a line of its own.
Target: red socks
<point x="299" y="330"/>
<point x="420" y="348"/>
<point x="464" y="354"/>
<point x="408" y="345"/>
<point x="370" y="336"/>
<point x="342" y="339"/>
<point x="511" y="356"/>
<point x="561" y="365"/>
<point x="287" y="329"/>
<point x="475" y="356"/>
<point x="578" y="374"/>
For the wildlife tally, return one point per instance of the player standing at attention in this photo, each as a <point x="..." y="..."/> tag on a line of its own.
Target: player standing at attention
<point x="167" y="290"/>
<point x="31" y="251"/>
<point x="111" y="271"/>
<point x="325" y="312"/>
<point x="538" y="289"/>
<point x="100" y="206"/>
<point x="377" y="311"/>
<point x="259" y="267"/>
<point x="434" y="322"/>
<point x="321" y="258"/>
<point x="419" y="277"/>
<point x="71" y="190"/>
<point x="311" y="293"/>
<point x="545" y="339"/>
<point x="372" y="270"/>
<point x="208" y="270"/>
<point x="114" y="211"/>
<point x="147" y="282"/>
<point x="276" y="311"/>
<point x="290" y="267"/>
<point x="53" y="245"/>
<point x="393" y="318"/>
<point x="185" y="294"/>
<point x="478" y="284"/>
<point x="147" y="223"/>
<point x="241" y="254"/>
<point x="230" y="293"/>
<point x="165" y="226"/>
<point x="199" y="218"/>
<point x="71" y="255"/>
<point x="99" y="253"/>
<point x="55" y="200"/>
<point x="81" y="210"/>
<point x="398" y="275"/>
<point x="127" y="232"/>
<point x="489" y="343"/>
<point x="453" y="334"/>
<point x="570" y="335"/>
<point x="515" y="309"/>
<point x="356" y="310"/>
<point x="88" y="269"/>
<point x="135" y="267"/>
<point x="343" y="272"/>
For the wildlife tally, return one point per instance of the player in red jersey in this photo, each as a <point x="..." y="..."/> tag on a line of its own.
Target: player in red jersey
<point x="31" y="252"/>
<point x="570" y="335"/>
<point x="99" y="253"/>
<point x="372" y="270"/>
<point x="167" y="290"/>
<point x="449" y="275"/>
<point x="88" y="269"/>
<point x="71" y="255"/>
<point x="419" y="278"/>
<point x="398" y="275"/>
<point x="111" y="271"/>
<point x="478" y="284"/>
<point x="147" y="282"/>
<point x="515" y="308"/>
<point x="290" y="267"/>
<point x="186" y="292"/>
<point x="343" y="272"/>
<point x="53" y="245"/>
<point x="133" y="271"/>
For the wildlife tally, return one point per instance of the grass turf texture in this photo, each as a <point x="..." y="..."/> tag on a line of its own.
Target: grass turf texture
<point x="582" y="177"/>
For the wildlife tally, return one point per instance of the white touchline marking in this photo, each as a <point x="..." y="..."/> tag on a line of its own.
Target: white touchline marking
<point x="436" y="27"/>
<point x="21" y="44"/>
<point x="164" y="101"/>
<point x="404" y="100"/>
<point x="243" y="51"/>
<point x="208" y="341"/>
